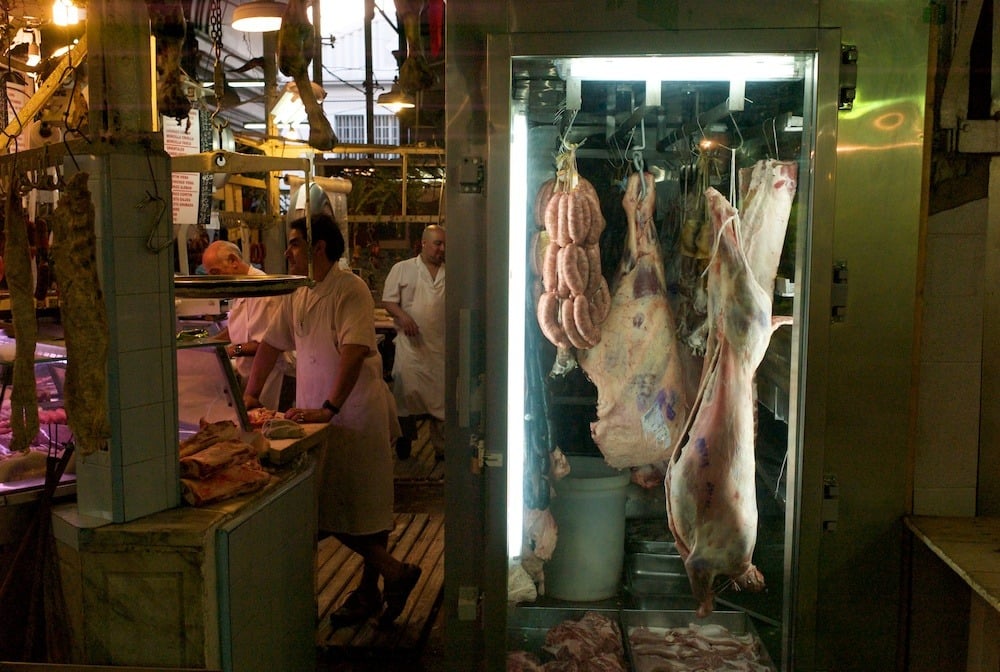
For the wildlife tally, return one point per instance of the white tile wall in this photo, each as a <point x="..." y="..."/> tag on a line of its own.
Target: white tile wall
<point x="947" y="451"/>
<point x="138" y="477"/>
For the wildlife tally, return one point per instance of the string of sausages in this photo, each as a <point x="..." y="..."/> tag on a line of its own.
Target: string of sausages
<point x="575" y="299"/>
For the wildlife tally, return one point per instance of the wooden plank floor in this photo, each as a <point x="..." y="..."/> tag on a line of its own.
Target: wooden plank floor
<point x="421" y="465"/>
<point x="417" y="538"/>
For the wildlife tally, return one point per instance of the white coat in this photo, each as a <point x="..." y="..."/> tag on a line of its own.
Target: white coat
<point x="355" y="466"/>
<point x="248" y="320"/>
<point x="418" y="370"/>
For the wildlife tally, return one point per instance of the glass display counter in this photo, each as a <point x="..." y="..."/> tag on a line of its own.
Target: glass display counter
<point x="207" y="387"/>
<point x="24" y="472"/>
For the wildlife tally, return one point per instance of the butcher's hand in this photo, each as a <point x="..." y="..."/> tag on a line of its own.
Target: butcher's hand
<point x="313" y="415"/>
<point x="408" y="325"/>
<point x="250" y="401"/>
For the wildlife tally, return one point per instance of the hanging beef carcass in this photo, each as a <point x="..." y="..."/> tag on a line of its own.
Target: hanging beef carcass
<point x="710" y="483"/>
<point x="641" y="401"/>
<point x="295" y="53"/>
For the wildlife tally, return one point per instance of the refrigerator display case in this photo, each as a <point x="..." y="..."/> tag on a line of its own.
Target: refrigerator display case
<point x="687" y="118"/>
<point x="207" y="387"/>
<point x="23" y="475"/>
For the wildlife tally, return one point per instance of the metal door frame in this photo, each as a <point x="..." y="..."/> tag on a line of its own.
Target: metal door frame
<point x="814" y="254"/>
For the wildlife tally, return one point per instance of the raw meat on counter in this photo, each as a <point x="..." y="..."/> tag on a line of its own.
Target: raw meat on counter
<point x="641" y="398"/>
<point x="710" y="483"/>
<point x="693" y="649"/>
<point x="216" y="464"/>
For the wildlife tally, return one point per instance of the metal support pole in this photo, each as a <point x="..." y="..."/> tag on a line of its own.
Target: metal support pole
<point x="317" y="61"/>
<point x="369" y="73"/>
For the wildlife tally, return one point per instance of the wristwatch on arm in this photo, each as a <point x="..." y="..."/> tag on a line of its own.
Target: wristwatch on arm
<point x="334" y="409"/>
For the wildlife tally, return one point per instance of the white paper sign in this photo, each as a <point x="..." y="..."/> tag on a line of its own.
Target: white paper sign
<point x="178" y="140"/>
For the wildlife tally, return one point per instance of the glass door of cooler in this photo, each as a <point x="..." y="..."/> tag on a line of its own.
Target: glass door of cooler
<point x="668" y="196"/>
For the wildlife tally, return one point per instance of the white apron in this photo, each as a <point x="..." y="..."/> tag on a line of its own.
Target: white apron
<point x="248" y="321"/>
<point x="418" y="370"/>
<point x="355" y="489"/>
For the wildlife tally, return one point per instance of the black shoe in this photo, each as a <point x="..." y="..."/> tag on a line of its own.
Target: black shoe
<point x="397" y="593"/>
<point x="357" y="608"/>
<point x="403" y="447"/>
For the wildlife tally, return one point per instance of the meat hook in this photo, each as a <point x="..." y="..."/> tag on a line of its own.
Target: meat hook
<point x="637" y="159"/>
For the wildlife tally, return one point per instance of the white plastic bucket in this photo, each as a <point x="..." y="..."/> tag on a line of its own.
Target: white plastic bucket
<point x="589" y="508"/>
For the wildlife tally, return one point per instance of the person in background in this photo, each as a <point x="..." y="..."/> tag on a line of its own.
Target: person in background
<point x="248" y="318"/>
<point x="414" y="296"/>
<point x="331" y="326"/>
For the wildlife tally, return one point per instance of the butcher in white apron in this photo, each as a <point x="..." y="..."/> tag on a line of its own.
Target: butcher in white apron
<point x="331" y="326"/>
<point x="414" y="296"/>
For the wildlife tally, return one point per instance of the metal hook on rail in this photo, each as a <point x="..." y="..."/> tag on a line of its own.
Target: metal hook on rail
<point x="638" y="162"/>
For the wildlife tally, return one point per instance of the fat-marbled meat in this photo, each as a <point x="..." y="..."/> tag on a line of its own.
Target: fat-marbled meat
<point x="710" y="483"/>
<point x="636" y="367"/>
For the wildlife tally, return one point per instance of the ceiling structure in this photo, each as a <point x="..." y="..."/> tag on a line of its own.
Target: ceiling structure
<point x="241" y="55"/>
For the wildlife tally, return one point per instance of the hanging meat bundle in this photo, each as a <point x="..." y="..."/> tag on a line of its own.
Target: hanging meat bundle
<point x="168" y="26"/>
<point x="84" y="315"/>
<point x="641" y="401"/>
<point x="23" y="402"/>
<point x="711" y="476"/>
<point x="574" y="300"/>
<point x="295" y="53"/>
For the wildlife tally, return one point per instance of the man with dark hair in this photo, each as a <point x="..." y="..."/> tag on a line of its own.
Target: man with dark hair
<point x="331" y="326"/>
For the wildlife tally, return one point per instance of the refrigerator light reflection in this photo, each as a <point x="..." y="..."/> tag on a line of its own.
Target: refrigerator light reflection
<point x="516" y="289"/>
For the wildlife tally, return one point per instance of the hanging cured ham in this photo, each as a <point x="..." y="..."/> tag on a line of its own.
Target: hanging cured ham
<point x="636" y="366"/>
<point x="295" y="53"/>
<point x="168" y="26"/>
<point x="710" y="482"/>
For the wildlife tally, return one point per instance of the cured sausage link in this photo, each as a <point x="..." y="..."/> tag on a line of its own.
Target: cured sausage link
<point x="84" y="315"/>
<point x="23" y="396"/>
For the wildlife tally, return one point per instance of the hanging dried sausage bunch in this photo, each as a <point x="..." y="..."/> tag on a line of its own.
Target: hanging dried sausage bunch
<point x="84" y="315"/>
<point x="574" y="300"/>
<point x="17" y="255"/>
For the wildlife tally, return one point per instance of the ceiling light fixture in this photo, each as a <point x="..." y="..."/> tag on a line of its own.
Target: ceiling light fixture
<point x="65" y="13"/>
<point x="34" y="52"/>
<point x="396" y="99"/>
<point x="258" y="16"/>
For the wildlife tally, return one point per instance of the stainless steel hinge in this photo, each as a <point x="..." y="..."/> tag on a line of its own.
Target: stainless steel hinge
<point x="848" y="76"/>
<point x="838" y="293"/>
<point x="831" y="503"/>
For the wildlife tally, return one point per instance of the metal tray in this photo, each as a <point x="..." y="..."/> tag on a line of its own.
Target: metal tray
<point x="652" y="574"/>
<point x="737" y="622"/>
<point x="235" y="286"/>
<point x="527" y="626"/>
<point x="658" y="547"/>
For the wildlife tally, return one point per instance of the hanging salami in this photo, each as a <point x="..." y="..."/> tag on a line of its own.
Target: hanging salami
<point x="84" y="315"/>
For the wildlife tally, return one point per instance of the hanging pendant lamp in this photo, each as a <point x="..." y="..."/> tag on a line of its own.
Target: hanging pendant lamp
<point x="258" y="16"/>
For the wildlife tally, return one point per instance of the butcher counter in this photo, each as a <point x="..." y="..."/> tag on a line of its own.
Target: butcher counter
<point x="954" y="593"/>
<point x="226" y="585"/>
